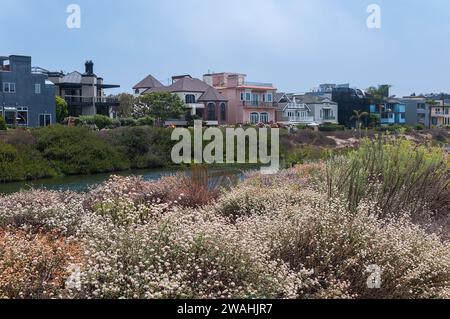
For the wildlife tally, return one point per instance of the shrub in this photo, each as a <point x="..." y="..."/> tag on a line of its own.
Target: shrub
<point x="145" y="147"/>
<point x="420" y="127"/>
<point x="127" y="122"/>
<point x="3" y="126"/>
<point x="145" y="121"/>
<point x="331" y="127"/>
<point x="78" y="151"/>
<point x="99" y="121"/>
<point x="34" y="265"/>
<point x="395" y="174"/>
<point x="39" y="210"/>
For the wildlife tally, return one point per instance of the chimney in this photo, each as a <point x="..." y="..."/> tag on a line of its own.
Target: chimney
<point x="89" y="67"/>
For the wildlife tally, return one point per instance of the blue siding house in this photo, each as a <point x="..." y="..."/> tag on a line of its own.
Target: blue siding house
<point x="391" y="112"/>
<point x="27" y="98"/>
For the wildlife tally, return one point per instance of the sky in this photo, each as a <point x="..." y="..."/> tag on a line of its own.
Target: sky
<point x="295" y="44"/>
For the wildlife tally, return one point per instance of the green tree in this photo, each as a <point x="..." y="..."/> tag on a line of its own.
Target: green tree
<point x="62" y="109"/>
<point x="161" y="106"/>
<point x="378" y="95"/>
<point x="358" y="118"/>
<point x="126" y="105"/>
<point x="3" y="126"/>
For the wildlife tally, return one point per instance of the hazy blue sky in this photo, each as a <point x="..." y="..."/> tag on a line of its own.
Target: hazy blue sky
<point x="296" y="44"/>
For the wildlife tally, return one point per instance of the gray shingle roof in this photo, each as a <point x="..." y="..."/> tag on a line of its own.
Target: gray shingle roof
<point x="148" y="82"/>
<point x="191" y="85"/>
<point x="212" y="94"/>
<point x="74" y="77"/>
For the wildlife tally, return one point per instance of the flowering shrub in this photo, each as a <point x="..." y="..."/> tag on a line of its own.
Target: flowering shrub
<point x="34" y="265"/>
<point x="292" y="235"/>
<point x="42" y="210"/>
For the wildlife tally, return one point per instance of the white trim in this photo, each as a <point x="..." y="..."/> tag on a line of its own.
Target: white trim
<point x="37" y="88"/>
<point x="45" y="114"/>
<point x="9" y="85"/>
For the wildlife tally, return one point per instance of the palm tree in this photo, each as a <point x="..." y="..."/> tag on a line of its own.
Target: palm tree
<point x="358" y="117"/>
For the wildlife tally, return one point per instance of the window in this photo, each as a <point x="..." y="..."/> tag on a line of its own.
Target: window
<point x="248" y="96"/>
<point x="45" y="119"/>
<point x="242" y="96"/>
<point x="22" y="116"/>
<point x="9" y="87"/>
<point x="223" y="112"/>
<point x="255" y="99"/>
<point x="190" y="99"/>
<point x="269" y="97"/>
<point x="37" y="88"/>
<point x="254" y="118"/>
<point x="212" y="112"/>
<point x="264" y="118"/>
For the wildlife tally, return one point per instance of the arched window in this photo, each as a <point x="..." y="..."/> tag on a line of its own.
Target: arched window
<point x="254" y="118"/>
<point x="223" y="112"/>
<point x="264" y="118"/>
<point x="190" y="99"/>
<point x="212" y="112"/>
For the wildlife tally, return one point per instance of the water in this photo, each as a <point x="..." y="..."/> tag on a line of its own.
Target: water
<point x="85" y="182"/>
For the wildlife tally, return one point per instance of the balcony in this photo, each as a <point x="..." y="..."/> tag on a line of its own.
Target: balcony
<point x="303" y="120"/>
<point x="92" y="100"/>
<point x="258" y="105"/>
<point x="259" y="84"/>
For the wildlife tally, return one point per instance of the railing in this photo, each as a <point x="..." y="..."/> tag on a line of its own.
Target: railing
<point x="259" y="84"/>
<point x="305" y="119"/>
<point x="90" y="100"/>
<point x="258" y="104"/>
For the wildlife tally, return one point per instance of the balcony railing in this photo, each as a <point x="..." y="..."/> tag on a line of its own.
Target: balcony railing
<point x="258" y="104"/>
<point x="259" y="84"/>
<point x="304" y="119"/>
<point x="90" y="100"/>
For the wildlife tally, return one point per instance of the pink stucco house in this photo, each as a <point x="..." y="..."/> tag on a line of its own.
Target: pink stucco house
<point x="248" y="102"/>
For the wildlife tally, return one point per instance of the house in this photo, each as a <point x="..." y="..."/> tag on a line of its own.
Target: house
<point x="147" y="83"/>
<point x="350" y="100"/>
<point x="248" y="102"/>
<point x="439" y="113"/>
<point x="417" y="110"/>
<point x="390" y="111"/>
<point x="201" y="100"/>
<point x="84" y="92"/>
<point x="27" y="98"/>
<point x="306" y="109"/>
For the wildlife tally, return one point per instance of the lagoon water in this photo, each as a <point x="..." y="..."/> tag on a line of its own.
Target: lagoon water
<point x="85" y="182"/>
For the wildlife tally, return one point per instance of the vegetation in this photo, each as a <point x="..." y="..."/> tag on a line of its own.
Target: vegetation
<point x="3" y="126"/>
<point x="331" y="128"/>
<point x="62" y="109"/>
<point x="160" y="106"/>
<point x="298" y="234"/>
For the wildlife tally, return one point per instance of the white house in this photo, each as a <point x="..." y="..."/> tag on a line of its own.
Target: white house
<point x="294" y="109"/>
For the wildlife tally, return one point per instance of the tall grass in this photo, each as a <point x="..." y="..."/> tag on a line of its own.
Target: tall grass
<point x="395" y="174"/>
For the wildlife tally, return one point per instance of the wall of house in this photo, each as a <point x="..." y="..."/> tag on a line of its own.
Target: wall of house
<point x="25" y="95"/>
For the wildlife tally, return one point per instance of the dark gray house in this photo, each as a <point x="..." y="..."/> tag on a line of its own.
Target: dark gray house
<point x="84" y="92"/>
<point x="27" y="97"/>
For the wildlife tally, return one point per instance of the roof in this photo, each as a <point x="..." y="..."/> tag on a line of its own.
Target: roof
<point x="311" y="99"/>
<point x="191" y="85"/>
<point x="212" y="94"/>
<point x="182" y="85"/>
<point x="147" y="83"/>
<point x="74" y="77"/>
